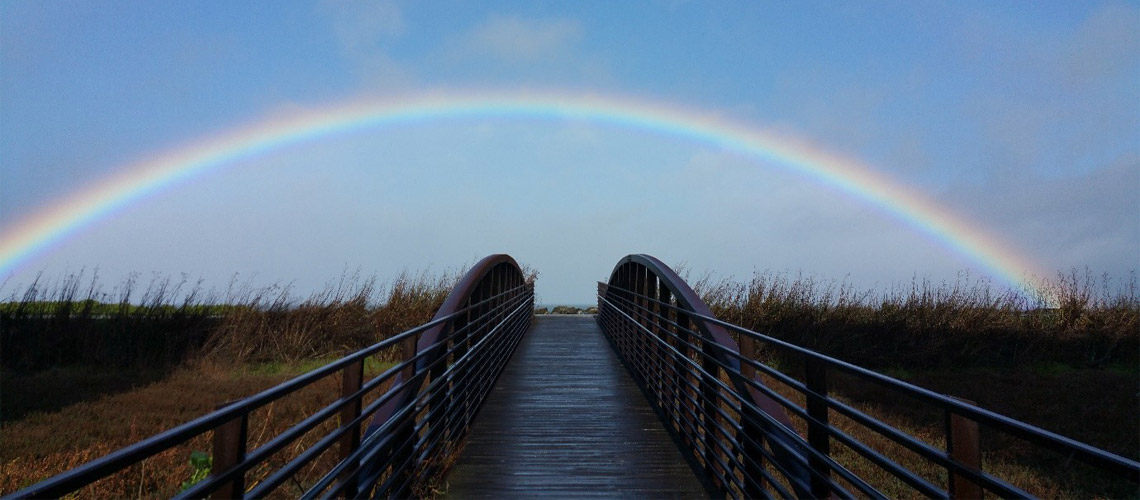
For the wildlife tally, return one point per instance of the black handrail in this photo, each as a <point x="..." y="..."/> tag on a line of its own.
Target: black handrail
<point x="681" y="356"/>
<point x="449" y="365"/>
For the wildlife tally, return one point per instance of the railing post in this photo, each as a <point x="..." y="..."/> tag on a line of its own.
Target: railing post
<point x="626" y="304"/>
<point x="403" y="435"/>
<point x="752" y="435"/>
<point x="682" y="377"/>
<point x="662" y="333"/>
<point x="815" y="377"/>
<point x="475" y="328"/>
<point x="230" y="440"/>
<point x="709" y="392"/>
<point x="963" y="445"/>
<point x="639" y="341"/>
<point x="438" y="400"/>
<point x="459" y="372"/>
<point x="351" y="380"/>
<point x="653" y="375"/>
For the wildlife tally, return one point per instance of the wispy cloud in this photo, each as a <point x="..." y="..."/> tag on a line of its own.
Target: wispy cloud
<point x="364" y="31"/>
<point x="513" y="38"/>
<point x="1084" y="220"/>
<point x="1105" y="46"/>
<point x="1056" y="101"/>
<point x="522" y="51"/>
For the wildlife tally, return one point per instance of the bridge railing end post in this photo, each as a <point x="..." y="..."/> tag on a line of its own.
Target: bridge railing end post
<point x="963" y="444"/>
<point x="229" y="448"/>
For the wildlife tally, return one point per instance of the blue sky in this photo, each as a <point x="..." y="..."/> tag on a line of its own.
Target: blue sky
<point x="1021" y="117"/>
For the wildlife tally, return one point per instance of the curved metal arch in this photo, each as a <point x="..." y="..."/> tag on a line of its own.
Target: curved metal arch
<point x="787" y="449"/>
<point x="487" y="278"/>
<point x="686" y="298"/>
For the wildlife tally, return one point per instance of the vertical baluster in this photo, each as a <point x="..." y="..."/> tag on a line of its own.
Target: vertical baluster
<point x="351" y="379"/>
<point x="457" y="404"/>
<point x="815" y="372"/>
<point x="639" y="319"/>
<point x="480" y="328"/>
<point x="685" y="376"/>
<point x="497" y="292"/>
<point x="437" y="401"/>
<point x="709" y="400"/>
<point x="623" y="306"/>
<point x="403" y="437"/>
<point x="627" y="286"/>
<point x="653" y="351"/>
<point x="667" y="373"/>
<point x="751" y="434"/>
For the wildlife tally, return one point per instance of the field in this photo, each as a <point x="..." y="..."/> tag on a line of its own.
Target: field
<point x="85" y="371"/>
<point x="1068" y="364"/>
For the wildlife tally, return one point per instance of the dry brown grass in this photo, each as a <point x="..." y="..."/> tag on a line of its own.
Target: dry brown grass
<point x="46" y="443"/>
<point x="73" y="322"/>
<point x="1071" y="368"/>
<point x="353" y="313"/>
<point x="1041" y="473"/>
<point x="1086" y="322"/>
<point x="76" y="411"/>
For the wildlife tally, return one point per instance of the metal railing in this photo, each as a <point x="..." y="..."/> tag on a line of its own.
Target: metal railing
<point x="710" y="393"/>
<point x="429" y="400"/>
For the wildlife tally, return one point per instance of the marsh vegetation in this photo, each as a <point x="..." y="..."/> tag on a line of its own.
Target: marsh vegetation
<point x="86" y="369"/>
<point x="1064" y="359"/>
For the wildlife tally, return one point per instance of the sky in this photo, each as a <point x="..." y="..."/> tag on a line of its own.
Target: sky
<point x="1019" y="120"/>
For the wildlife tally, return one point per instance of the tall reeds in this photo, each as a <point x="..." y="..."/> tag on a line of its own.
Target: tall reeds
<point x="1087" y="321"/>
<point x="73" y="321"/>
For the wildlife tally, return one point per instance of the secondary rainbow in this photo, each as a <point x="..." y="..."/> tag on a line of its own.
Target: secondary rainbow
<point x="48" y="227"/>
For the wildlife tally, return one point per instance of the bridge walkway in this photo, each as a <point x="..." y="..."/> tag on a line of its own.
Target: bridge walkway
<point x="566" y="420"/>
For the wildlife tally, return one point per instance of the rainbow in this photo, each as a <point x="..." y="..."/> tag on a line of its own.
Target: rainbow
<point x="40" y="231"/>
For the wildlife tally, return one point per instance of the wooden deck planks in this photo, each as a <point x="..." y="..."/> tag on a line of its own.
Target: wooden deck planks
<point x="566" y="420"/>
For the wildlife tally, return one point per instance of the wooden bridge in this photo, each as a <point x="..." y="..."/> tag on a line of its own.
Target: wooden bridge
<point x="652" y="398"/>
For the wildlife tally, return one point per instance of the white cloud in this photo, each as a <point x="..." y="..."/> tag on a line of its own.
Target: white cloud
<point x="364" y="31"/>
<point x="516" y="51"/>
<point x="1103" y="47"/>
<point x="364" y="24"/>
<point x="1056" y="101"/>
<point x="1090" y="220"/>
<point x="513" y="38"/>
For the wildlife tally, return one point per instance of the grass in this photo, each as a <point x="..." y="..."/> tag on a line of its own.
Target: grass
<point x="1067" y="364"/>
<point x="119" y="366"/>
<point x="86" y="371"/>
<point x="74" y="321"/>
<point x="42" y="444"/>
<point x="1078" y="320"/>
